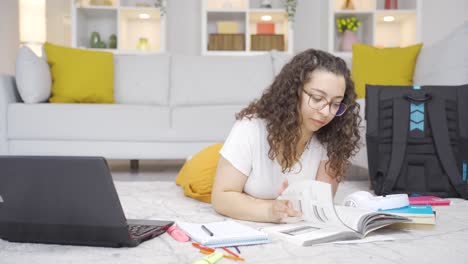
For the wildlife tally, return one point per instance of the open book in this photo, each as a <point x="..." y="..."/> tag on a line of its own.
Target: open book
<point x="322" y="221"/>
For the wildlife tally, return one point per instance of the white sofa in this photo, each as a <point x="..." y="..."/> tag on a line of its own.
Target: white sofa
<point x="167" y="107"/>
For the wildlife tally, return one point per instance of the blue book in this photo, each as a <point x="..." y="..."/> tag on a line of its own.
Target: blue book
<point x="419" y="214"/>
<point x="411" y="209"/>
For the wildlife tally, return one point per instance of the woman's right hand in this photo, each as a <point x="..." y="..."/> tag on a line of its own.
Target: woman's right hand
<point x="282" y="209"/>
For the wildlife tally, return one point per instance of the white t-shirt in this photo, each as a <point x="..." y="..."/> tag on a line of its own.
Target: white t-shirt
<point x="246" y="148"/>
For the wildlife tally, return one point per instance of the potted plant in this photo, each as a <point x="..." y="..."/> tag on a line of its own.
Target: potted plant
<point x="348" y="26"/>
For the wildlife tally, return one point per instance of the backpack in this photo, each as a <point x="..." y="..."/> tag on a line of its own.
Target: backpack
<point x="417" y="139"/>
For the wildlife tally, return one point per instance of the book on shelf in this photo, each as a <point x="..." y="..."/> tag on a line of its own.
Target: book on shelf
<point x="265" y="28"/>
<point x="324" y="222"/>
<point x="418" y="214"/>
<point x="224" y="234"/>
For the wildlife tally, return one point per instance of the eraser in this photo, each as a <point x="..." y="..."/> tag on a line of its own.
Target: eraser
<point x="177" y="234"/>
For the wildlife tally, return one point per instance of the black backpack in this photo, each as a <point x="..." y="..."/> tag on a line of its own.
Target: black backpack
<point x="417" y="139"/>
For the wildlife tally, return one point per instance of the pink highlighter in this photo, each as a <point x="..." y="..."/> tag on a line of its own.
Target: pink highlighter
<point x="177" y="234"/>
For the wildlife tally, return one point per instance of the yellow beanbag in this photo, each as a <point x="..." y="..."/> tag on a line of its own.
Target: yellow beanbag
<point x="197" y="175"/>
<point x="383" y="66"/>
<point x="80" y="76"/>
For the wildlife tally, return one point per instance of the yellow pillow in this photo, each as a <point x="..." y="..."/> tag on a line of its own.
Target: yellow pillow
<point x="80" y="76"/>
<point x="383" y="66"/>
<point x="197" y="175"/>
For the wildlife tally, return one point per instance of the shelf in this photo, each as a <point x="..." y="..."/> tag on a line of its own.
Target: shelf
<point x="404" y="30"/>
<point x="245" y="17"/>
<point x="96" y="3"/>
<point x="103" y="21"/>
<point x="129" y="20"/>
<point x="133" y="28"/>
<point x="227" y="4"/>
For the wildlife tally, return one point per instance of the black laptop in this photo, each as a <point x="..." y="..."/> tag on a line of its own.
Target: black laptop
<point x="66" y="200"/>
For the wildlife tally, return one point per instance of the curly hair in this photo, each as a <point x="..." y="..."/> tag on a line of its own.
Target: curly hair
<point x="279" y="105"/>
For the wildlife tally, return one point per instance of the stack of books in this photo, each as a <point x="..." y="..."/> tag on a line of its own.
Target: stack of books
<point x="418" y="214"/>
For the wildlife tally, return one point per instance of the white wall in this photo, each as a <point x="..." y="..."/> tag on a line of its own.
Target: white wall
<point x="440" y="17"/>
<point x="9" y="35"/>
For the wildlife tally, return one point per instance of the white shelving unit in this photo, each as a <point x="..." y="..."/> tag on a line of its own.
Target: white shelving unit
<point x="403" y="31"/>
<point x="129" y="20"/>
<point x="246" y="14"/>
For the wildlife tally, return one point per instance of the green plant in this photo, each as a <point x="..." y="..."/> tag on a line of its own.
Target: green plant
<point x="290" y="7"/>
<point x="347" y="23"/>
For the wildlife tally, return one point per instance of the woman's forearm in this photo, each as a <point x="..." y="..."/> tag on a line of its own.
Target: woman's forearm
<point x="242" y="206"/>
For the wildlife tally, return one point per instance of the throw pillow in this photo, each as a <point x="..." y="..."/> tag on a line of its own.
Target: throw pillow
<point x="80" y="76"/>
<point x="32" y="76"/>
<point x="383" y="66"/>
<point x="446" y="61"/>
<point x="197" y="175"/>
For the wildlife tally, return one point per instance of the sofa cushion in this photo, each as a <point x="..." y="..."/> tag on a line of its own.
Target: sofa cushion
<point x="203" y="122"/>
<point x="211" y="80"/>
<point x="446" y="61"/>
<point x="32" y="76"/>
<point x="86" y="122"/>
<point x="80" y="76"/>
<point x="142" y="79"/>
<point x="385" y="66"/>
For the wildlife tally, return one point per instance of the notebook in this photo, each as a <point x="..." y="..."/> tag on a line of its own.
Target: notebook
<point x="428" y="200"/>
<point x="225" y="234"/>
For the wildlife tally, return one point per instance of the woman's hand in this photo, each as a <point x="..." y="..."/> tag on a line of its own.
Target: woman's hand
<point x="282" y="209"/>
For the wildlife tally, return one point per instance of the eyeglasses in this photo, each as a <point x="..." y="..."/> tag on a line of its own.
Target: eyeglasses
<point x="318" y="102"/>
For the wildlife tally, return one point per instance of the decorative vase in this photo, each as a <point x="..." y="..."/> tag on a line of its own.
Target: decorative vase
<point x="348" y="4"/>
<point x="391" y="4"/>
<point x="349" y="37"/>
<point x="95" y="39"/>
<point x="143" y="44"/>
<point x="113" y="41"/>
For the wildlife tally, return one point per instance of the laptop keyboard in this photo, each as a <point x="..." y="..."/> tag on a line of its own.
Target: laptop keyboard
<point x="140" y="230"/>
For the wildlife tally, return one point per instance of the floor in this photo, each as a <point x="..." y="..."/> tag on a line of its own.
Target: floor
<point x="149" y="170"/>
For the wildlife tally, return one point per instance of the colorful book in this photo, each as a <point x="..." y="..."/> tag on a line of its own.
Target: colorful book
<point x="265" y="28"/>
<point x="428" y="200"/>
<point x="419" y="214"/>
<point x="227" y="27"/>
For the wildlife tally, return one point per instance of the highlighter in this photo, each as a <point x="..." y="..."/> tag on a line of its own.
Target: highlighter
<point x="210" y="259"/>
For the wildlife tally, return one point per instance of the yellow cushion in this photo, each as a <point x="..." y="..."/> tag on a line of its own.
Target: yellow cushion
<point x="383" y="66"/>
<point x="197" y="175"/>
<point x="80" y="76"/>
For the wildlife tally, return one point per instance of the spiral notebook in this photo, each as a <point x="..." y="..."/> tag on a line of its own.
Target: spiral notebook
<point x="225" y="233"/>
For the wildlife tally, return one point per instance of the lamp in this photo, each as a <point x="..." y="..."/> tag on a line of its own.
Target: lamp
<point x="32" y="22"/>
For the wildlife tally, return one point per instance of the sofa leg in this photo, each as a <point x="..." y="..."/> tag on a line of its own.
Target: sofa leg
<point x="134" y="164"/>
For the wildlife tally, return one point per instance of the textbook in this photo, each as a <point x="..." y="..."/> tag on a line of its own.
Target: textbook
<point x="418" y="214"/>
<point x="324" y="222"/>
<point x="223" y="234"/>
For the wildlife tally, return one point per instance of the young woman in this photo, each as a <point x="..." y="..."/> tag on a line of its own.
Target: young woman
<point x="304" y="126"/>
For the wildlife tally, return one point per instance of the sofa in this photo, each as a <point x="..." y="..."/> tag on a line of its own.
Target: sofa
<point x="172" y="106"/>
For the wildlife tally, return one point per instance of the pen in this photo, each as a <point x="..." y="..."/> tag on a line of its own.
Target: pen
<point x="225" y="256"/>
<point x="207" y="230"/>
<point x="203" y="247"/>
<point x="230" y="252"/>
<point x="237" y="249"/>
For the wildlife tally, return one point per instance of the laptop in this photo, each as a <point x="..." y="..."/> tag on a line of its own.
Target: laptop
<point x="66" y="200"/>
